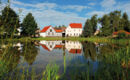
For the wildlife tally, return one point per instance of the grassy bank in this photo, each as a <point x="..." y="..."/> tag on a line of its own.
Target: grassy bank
<point x="91" y="39"/>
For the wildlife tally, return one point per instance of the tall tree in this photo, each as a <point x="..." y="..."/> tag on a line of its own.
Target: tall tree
<point x="106" y="29"/>
<point x="10" y="20"/>
<point x="115" y="18"/>
<point x="88" y="29"/>
<point x="125" y="20"/>
<point x="29" y="25"/>
<point x="94" y="21"/>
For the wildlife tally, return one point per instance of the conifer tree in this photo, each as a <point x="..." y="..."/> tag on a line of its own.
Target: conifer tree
<point x="29" y="25"/>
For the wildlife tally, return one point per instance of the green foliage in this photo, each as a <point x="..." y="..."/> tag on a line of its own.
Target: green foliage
<point x="122" y="35"/>
<point x="51" y="72"/>
<point x="10" y="21"/>
<point x="125" y="20"/>
<point x="115" y="17"/>
<point x="114" y="22"/>
<point x="106" y="29"/>
<point x="88" y="29"/>
<point x="94" y="21"/>
<point x="29" y="25"/>
<point x="90" y="26"/>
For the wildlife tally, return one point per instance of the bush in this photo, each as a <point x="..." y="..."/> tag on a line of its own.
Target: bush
<point x="122" y="35"/>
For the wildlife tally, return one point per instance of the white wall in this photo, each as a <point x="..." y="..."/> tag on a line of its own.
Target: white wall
<point x="73" y="32"/>
<point x="43" y="34"/>
<point x="49" y="33"/>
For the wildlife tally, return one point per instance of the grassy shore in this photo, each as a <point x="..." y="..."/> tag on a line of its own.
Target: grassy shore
<point x="91" y="39"/>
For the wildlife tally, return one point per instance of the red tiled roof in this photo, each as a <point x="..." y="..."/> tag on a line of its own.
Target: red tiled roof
<point x="45" y="47"/>
<point x="74" y="51"/>
<point x="58" y="30"/>
<point x="121" y="31"/>
<point x="76" y="25"/>
<point x="58" y="46"/>
<point x="45" y="28"/>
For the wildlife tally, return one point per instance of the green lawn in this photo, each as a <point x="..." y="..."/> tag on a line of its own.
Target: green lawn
<point x="92" y="39"/>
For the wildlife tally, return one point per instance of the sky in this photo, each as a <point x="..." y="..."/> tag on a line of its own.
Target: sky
<point x="64" y="12"/>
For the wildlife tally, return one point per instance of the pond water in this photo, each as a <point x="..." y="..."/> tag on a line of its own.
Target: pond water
<point x="75" y="60"/>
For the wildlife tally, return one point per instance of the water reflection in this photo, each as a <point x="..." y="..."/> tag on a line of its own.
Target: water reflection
<point x="73" y="47"/>
<point x="29" y="52"/>
<point x="75" y="58"/>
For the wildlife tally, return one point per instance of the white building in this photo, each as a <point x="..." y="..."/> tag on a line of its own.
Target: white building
<point x="74" y="30"/>
<point x="49" y="31"/>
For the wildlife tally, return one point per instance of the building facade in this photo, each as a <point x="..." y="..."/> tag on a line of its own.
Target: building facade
<point x="73" y="30"/>
<point x="49" y="31"/>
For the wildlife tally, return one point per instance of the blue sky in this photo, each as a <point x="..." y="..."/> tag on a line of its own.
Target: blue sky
<point x="63" y="12"/>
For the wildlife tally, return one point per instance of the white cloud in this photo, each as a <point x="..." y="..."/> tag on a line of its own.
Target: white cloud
<point x="124" y="8"/>
<point x="108" y="3"/>
<point x="99" y="13"/>
<point x="49" y="6"/>
<point x="75" y="7"/>
<point x="38" y="5"/>
<point x="48" y="16"/>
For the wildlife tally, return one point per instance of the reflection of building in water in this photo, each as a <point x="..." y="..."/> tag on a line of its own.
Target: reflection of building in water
<point x="74" y="47"/>
<point x="50" y="45"/>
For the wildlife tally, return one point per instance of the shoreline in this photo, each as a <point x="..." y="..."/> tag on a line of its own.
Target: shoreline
<point x="90" y="39"/>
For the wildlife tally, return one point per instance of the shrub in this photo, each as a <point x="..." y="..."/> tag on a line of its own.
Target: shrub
<point x="122" y="35"/>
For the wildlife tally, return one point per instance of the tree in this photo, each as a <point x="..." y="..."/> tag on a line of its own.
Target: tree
<point x="94" y="21"/>
<point x="29" y="25"/>
<point x="88" y="29"/>
<point x="125" y="20"/>
<point x="10" y="21"/>
<point x="115" y="18"/>
<point x="106" y="29"/>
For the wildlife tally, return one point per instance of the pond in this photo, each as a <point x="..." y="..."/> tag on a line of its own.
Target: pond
<point x="64" y="60"/>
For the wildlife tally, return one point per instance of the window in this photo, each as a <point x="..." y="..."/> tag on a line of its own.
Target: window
<point x="50" y="30"/>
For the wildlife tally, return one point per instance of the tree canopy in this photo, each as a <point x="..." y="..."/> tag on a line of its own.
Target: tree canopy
<point x="88" y="29"/>
<point x="29" y="25"/>
<point x="90" y="26"/>
<point x="112" y="22"/>
<point x="106" y="29"/>
<point x="10" y="21"/>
